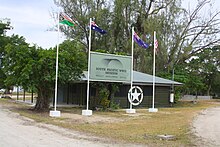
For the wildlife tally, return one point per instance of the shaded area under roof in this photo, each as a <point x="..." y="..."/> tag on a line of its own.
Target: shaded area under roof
<point x="141" y="79"/>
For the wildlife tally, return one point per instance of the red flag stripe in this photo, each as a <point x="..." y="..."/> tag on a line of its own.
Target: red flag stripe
<point x="156" y="43"/>
<point x="66" y="17"/>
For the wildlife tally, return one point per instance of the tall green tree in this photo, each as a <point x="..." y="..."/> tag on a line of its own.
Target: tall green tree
<point x="32" y="66"/>
<point x="4" y="40"/>
<point x="182" y="33"/>
<point x="81" y="11"/>
<point x="207" y="66"/>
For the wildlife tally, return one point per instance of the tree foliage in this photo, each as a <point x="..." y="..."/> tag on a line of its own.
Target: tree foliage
<point x="4" y="40"/>
<point x="34" y="67"/>
<point x="188" y="42"/>
<point x="182" y="33"/>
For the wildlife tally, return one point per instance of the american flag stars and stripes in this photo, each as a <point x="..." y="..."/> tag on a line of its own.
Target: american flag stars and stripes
<point x="156" y="46"/>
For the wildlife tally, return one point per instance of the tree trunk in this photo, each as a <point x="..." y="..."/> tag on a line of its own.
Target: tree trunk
<point x="43" y="99"/>
<point x="208" y="90"/>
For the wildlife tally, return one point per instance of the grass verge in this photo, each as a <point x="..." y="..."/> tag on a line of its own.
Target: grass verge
<point x="142" y="127"/>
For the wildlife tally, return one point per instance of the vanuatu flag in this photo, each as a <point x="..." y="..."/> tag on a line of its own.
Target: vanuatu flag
<point x="64" y="19"/>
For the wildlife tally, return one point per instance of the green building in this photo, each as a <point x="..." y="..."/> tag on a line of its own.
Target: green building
<point x="75" y="93"/>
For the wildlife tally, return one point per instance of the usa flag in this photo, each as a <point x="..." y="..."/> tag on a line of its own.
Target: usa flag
<point x="156" y="46"/>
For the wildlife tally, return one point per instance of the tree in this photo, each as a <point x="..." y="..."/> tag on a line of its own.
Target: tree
<point x="192" y="33"/>
<point x="181" y="33"/>
<point x="81" y="11"/>
<point x="32" y="66"/>
<point x="206" y="64"/>
<point x="216" y="86"/>
<point x="4" y="40"/>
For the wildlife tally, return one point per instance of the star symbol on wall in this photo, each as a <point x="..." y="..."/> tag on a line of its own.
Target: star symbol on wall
<point x="135" y="95"/>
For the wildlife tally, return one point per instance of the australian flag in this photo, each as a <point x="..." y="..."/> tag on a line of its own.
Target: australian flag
<point x="140" y="42"/>
<point x="95" y="27"/>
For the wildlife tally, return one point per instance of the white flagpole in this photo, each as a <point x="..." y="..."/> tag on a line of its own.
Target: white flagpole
<point x="132" y="57"/>
<point x="153" y="109"/>
<point x="90" y="33"/>
<point x="154" y="71"/>
<point x="56" y="113"/>
<point x="88" y="112"/>
<point x="58" y="39"/>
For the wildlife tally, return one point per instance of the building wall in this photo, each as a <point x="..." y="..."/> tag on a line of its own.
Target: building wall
<point x="161" y="96"/>
<point x="75" y="93"/>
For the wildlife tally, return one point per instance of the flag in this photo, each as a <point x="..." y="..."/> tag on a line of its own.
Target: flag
<point x="140" y="42"/>
<point x="64" y="19"/>
<point x="156" y="46"/>
<point x="95" y="27"/>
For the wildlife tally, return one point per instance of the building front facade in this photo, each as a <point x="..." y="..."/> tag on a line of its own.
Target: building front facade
<point x="75" y="93"/>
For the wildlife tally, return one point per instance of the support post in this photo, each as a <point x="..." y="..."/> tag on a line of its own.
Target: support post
<point x="17" y="93"/>
<point x="32" y="96"/>
<point x="24" y="96"/>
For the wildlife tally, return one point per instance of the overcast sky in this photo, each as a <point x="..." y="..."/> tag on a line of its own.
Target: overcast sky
<point x="32" y="19"/>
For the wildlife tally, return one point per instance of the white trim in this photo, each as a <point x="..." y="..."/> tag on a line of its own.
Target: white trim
<point x="111" y="54"/>
<point x="94" y="80"/>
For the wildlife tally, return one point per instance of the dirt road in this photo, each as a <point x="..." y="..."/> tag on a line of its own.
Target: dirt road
<point x="207" y="127"/>
<point x="18" y="131"/>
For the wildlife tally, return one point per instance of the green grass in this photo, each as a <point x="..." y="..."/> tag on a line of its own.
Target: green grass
<point x="142" y="127"/>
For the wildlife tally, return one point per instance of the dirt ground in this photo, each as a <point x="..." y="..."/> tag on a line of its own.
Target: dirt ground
<point x="206" y="127"/>
<point x="18" y="131"/>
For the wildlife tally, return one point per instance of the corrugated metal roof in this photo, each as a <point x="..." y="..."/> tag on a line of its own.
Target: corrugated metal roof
<point x="140" y="77"/>
<point x="143" y="79"/>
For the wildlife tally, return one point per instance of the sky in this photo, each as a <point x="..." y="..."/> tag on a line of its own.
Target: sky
<point x="32" y="19"/>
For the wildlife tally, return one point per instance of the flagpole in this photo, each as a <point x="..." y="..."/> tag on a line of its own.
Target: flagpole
<point x="88" y="112"/>
<point x="132" y="58"/>
<point x="56" y="113"/>
<point x="154" y="54"/>
<point x="57" y="58"/>
<point x="90" y="33"/>
<point x="132" y="62"/>
<point x="154" y="70"/>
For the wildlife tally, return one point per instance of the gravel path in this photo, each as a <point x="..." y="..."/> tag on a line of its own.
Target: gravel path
<point x="18" y="131"/>
<point x="207" y="127"/>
